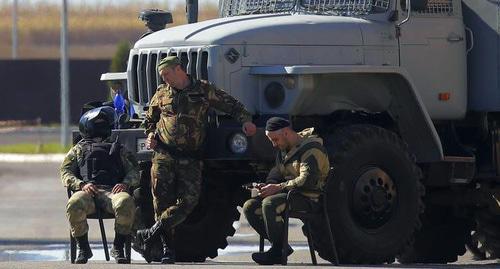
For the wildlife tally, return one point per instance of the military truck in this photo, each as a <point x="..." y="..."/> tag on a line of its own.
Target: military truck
<point x="405" y="94"/>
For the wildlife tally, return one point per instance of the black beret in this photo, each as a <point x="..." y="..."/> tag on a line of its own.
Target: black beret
<point x="276" y="123"/>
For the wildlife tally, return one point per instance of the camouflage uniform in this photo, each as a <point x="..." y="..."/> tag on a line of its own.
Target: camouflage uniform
<point x="82" y="204"/>
<point x="178" y="119"/>
<point x="305" y="167"/>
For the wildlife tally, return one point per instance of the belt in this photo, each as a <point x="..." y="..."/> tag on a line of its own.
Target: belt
<point x="175" y="152"/>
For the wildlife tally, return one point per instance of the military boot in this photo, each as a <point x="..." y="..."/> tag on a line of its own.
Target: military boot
<point x="145" y="238"/>
<point x="168" y="253"/>
<point x="118" y="251"/>
<point x="84" y="251"/>
<point x="272" y="256"/>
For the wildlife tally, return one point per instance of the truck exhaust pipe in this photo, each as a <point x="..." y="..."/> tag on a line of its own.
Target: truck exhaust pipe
<point x="155" y="20"/>
<point x="192" y="11"/>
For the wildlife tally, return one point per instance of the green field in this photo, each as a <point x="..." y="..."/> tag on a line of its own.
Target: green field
<point x="26" y="148"/>
<point x="94" y="30"/>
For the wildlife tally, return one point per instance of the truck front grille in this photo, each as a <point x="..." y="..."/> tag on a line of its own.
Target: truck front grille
<point x="145" y="79"/>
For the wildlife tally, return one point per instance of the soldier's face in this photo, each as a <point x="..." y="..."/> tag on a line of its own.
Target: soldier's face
<point x="173" y="76"/>
<point x="278" y="139"/>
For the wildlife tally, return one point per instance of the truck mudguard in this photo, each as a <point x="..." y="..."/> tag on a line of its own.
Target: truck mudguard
<point x="347" y="87"/>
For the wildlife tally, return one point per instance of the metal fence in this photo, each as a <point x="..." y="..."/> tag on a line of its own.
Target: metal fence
<point x="37" y="96"/>
<point x="325" y="7"/>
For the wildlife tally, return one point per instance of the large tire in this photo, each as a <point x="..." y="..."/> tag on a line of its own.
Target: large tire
<point x="442" y="237"/>
<point x="488" y="233"/>
<point x="375" y="198"/>
<point x="206" y="228"/>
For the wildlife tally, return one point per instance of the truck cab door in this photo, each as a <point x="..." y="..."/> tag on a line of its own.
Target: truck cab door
<point x="433" y="51"/>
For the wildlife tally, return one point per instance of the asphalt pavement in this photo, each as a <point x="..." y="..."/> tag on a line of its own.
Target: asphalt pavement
<point x="34" y="225"/>
<point x="34" y="228"/>
<point x="34" y="232"/>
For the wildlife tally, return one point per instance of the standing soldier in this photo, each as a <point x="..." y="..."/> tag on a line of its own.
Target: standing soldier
<point x="100" y="173"/>
<point x="301" y="163"/>
<point x="175" y="127"/>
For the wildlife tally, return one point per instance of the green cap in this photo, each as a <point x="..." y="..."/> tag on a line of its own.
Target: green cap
<point x="168" y="61"/>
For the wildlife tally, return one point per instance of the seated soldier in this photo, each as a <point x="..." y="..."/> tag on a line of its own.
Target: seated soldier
<point x="100" y="172"/>
<point x="301" y="163"/>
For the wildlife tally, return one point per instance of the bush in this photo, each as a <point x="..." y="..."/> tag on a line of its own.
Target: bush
<point x="119" y="61"/>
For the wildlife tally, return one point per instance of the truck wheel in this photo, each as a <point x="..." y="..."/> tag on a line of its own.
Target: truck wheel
<point x="375" y="199"/>
<point x="442" y="237"/>
<point x="206" y="228"/>
<point x="488" y="233"/>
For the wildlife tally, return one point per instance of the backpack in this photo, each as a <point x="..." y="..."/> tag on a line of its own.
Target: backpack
<point x="101" y="163"/>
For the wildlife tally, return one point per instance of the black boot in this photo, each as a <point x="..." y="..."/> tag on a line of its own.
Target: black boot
<point x="145" y="238"/>
<point x="168" y="253"/>
<point x="272" y="256"/>
<point x="118" y="251"/>
<point x="84" y="251"/>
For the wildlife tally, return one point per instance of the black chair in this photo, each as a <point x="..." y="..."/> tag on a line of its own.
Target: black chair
<point x="319" y="209"/>
<point x="98" y="215"/>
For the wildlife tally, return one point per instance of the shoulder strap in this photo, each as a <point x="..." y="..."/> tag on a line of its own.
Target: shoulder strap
<point x="116" y="154"/>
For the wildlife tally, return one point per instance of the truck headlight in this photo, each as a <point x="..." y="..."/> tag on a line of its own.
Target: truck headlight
<point x="238" y="143"/>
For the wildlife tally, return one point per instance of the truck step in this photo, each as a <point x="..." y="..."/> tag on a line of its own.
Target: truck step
<point x="451" y="170"/>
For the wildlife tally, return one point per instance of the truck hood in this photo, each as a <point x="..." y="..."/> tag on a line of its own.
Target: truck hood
<point x="265" y="29"/>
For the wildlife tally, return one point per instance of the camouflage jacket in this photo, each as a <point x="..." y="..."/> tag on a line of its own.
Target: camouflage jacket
<point x="179" y="117"/>
<point x="70" y="171"/>
<point x="305" y="167"/>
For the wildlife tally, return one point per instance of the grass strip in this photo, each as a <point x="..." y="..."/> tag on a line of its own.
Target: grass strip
<point x="31" y="148"/>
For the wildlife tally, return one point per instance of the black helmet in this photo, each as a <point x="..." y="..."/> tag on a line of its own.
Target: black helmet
<point x="97" y="122"/>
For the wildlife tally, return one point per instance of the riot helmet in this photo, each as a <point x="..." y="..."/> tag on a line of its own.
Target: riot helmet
<point x="98" y="122"/>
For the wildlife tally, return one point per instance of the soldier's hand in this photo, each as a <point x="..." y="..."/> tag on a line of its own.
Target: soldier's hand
<point x="90" y="189"/>
<point x="269" y="189"/>
<point x="151" y="141"/>
<point x="249" y="128"/>
<point x="259" y="186"/>
<point x="119" y="188"/>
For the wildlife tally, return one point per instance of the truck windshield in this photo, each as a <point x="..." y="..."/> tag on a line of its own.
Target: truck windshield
<point x="229" y="8"/>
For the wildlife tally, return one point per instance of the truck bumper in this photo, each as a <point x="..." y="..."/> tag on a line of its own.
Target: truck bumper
<point x="216" y="148"/>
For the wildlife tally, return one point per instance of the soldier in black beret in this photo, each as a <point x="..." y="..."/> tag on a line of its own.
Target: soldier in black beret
<point x="301" y="163"/>
<point x="276" y="123"/>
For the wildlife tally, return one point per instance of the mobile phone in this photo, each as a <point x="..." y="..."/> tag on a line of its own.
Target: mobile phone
<point x="250" y="186"/>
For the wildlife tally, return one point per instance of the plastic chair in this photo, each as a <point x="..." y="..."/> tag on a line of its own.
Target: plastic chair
<point x="98" y="215"/>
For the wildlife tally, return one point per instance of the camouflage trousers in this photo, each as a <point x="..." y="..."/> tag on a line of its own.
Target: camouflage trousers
<point x="265" y="215"/>
<point x="176" y="187"/>
<point x="82" y="204"/>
